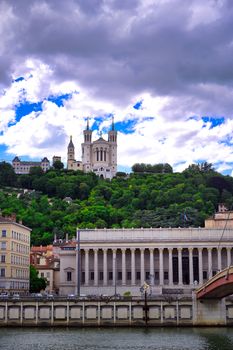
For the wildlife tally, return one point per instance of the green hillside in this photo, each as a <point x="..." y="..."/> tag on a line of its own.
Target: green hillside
<point x="144" y="198"/>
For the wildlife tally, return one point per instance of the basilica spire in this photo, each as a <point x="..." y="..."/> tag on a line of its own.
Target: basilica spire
<point x="88" y="128"/>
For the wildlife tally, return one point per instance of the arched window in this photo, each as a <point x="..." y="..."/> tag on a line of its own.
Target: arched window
<point x="97" y="154"/>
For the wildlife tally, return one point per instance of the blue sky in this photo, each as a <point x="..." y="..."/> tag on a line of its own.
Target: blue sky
<point x="168" y="86"/>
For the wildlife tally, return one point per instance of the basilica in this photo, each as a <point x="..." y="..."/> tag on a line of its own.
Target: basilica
<point x="99" y="156"/>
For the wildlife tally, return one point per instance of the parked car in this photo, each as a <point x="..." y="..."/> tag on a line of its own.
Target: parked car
<point x="4" y="295"/>
<point x="71" y="296"/>
<point x="38" y="295"/>
<point x="15" y="296"/>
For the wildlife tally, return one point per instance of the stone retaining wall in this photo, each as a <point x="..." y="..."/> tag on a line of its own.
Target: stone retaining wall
<point x="116" y="313"/>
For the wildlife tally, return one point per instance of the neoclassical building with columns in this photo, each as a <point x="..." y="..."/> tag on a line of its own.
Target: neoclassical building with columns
<point x="170" y="260"/>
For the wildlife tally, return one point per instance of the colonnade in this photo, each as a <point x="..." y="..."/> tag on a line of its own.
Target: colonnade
<point x="156" y="265"/>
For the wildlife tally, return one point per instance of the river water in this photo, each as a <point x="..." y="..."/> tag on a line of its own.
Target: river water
<point x="116" y="338"/>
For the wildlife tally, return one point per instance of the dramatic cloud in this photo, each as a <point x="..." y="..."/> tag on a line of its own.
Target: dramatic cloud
<point x="173" y="59"/>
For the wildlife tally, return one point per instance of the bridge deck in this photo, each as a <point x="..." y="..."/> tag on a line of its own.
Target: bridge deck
<point x="219" y="286"/>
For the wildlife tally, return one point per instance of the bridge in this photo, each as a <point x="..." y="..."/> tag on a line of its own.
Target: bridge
<point x="217" y="287"/>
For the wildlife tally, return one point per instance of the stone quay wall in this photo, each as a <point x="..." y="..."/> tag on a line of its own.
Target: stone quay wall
<point x="185" y="312"/>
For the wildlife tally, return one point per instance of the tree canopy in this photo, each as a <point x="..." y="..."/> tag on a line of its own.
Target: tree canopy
<point x="164" y="199"/>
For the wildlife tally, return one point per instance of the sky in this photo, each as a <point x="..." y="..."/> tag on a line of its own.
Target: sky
<point x="162" y="68"/>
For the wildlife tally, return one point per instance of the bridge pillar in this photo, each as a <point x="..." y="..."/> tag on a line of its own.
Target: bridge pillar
<point x="209" y="312"/>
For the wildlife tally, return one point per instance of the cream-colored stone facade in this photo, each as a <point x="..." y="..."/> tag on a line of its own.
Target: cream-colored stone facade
<point x="123" y="259"/>
<point x="98" y="156"/>
<point x="23" y="167"/>
<point x="14" y="256"/>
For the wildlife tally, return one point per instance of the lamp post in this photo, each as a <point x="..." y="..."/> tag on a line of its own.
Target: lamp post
<point x="78" y="267"/>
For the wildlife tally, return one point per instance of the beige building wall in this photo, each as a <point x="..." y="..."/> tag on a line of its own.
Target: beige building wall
<point x="14" y="256"/>
<point x="220" y="220"/>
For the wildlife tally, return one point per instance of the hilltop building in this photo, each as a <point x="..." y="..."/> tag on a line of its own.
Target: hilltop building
<point x="14" y="255"/>
<point x="98" y="156"/>
<point x="23" y="167"/>
<point x="56" y="159"/>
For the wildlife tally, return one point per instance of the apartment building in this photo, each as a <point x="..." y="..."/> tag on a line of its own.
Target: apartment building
<point x="14" y="256"/>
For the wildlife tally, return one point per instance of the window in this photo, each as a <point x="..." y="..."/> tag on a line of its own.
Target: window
<point x="166" y="275"/>
<point x="119" y="275"/>
<point x="3" y="233"/>
<point x="147" y="275"/>
<point x="110" y="276"/>
<point x="101" y="275"/>
<point x="69" y="276"/>
<point x="2" y="273"/>
<point x="3" y="245"/>
<point x="3" y="258"/>
<point x="138" y="275"/>
<point x="129" y="275"/>
<point x="204" y="275"/>
<point x="42" y="274"/>
<point x="92" y="276"/>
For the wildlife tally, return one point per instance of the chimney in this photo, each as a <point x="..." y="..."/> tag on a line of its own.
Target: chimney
<point x="67" y="237"/>
<point x="20" y="222"/>
<point x="13" y="217"/>
<point x="55" y="238"/>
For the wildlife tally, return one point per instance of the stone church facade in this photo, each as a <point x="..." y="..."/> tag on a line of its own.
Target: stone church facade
<point x="99" y="156"/>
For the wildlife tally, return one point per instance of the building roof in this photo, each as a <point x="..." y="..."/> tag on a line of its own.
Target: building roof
<point x="71" y="145"/>
<point x="45" y="159"/>
<point x="100" y="139"/>
<point x="12" y="220"/>
<point x="16" y="159"/>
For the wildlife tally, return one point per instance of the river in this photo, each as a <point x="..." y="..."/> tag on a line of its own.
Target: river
<point x="116" y="338"/>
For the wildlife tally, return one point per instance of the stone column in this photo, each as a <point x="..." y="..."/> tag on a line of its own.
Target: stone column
<point x="180" y="274"/>
<point x="210" y="269"/>
<point x="96" y="270"/>
<point x="170" y="267"/>
<point x="152" y="267"/>
<point x="105" y="267"/>
<point x="86" y="267"/>
<point x="191" y="266"/>
<point x="123" y="267"/>
<point x="114" y="267"/>
<point x="161" y="275"/>
<point x="133" y="267"/>
<point x="219" y="258"/>
<point x="228" y="256"/>
<point x="142" y="266"/>
<point x="200" y="264"/>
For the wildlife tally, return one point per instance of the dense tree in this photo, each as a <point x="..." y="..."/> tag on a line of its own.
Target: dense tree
<point x="7" y="174"/>
<point x="36" y="283"/>
<point x="58" y="165"/>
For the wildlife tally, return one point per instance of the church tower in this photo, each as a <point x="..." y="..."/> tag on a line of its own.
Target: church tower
<point x="112" y="139"/>
<point x="87" y="149"/>
<point x="70" y="155"/>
